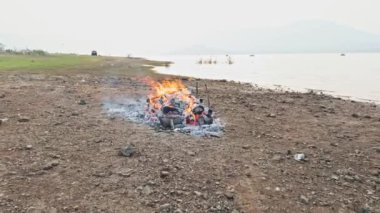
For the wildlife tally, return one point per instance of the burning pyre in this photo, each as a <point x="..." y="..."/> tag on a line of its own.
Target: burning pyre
<point x="169" y="105"/>
<point x="172" y="105"/>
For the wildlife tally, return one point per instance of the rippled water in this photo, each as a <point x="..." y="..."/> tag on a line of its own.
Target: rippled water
<point x="354" y="76"/>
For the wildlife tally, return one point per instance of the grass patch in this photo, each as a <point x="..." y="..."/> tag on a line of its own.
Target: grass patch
<point x="45" y="62"/>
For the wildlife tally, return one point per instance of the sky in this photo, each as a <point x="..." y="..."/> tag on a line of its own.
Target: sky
<point x="121" y="27"/>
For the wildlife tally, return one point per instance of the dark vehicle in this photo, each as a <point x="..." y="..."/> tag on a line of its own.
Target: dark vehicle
<point x="94" y="53"/>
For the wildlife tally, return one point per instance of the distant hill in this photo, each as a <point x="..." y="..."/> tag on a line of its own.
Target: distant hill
<point x="301" y="37"/>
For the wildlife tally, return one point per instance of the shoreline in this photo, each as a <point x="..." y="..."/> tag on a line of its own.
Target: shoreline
<point x="275" y="88"/>
<point x="57" y="149"/>
<point x="296" y="76"/>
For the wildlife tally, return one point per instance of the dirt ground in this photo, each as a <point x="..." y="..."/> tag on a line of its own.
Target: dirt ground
<point x="60" y="154"/>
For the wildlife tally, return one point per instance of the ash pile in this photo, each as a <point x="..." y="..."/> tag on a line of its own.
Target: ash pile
<point x="170" y="106"/>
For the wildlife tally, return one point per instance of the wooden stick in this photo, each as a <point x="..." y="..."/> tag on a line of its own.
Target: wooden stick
<point x="208" y="97"/>
<point x="171" y="124"/>
<point x="196" y="88"/>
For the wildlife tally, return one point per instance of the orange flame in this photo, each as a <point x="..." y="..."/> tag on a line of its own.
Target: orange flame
<point x="163" y="92"/>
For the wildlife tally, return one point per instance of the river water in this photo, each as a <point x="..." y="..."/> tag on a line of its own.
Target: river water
<point x="355" y="76"/>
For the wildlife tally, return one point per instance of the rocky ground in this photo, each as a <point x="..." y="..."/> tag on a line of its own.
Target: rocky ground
<point x="60" y="152"/>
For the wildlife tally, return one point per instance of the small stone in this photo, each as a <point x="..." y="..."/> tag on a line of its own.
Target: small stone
<point x="191" y="153"/>
<point x="363" y="210"/>
<point x="349" y="178"/>
<point x="304" y="199"/>
<point x="377" y="149"/>
<point x="246" y="146"/>
<point x="29" y="147"/>
<point x="147" y="190"/>
<point x="355" y="115"/>
<point x="52" y="210"/>
<point x="125" y="172"/>
<point x="34" y="210"/>
<point x="51" y="165"/>
<point x="128" y="151"/>
<point x="82" y="102"/>
<point x="271" y="115"/>
<point x="235" y="211"/>
<point x="23" y="119"/>
<point x="375" y="172"/>
<point x="99" y="140"/>
<point x="178" y="211"/>
<point x="164" y="174"/>
<point x="198" y="194"/>
<point x="2" y="95"/>
<point x="334" y="177"/>
<point x="277" y="158"/>
<point x="229" y="195"/>
<point x="299" y="157"/>
<point x="165" y="206"/>
<point x="334" y="144"/>
<point x="75" y="114"/>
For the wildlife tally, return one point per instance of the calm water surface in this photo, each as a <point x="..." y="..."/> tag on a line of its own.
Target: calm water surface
<point x="355" y="76"/>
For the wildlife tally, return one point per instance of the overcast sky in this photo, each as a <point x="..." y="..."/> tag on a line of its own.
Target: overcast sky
<point x="152" y="26"/>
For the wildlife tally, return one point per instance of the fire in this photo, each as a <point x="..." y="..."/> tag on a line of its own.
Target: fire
<point x="171" y="104"/>
<point x="171" y="93"/>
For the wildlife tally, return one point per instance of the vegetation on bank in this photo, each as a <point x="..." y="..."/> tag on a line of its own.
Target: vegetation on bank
<point x="39" y="60"/>
<point x="44" y="62"/>
<point x="30" y="60"/>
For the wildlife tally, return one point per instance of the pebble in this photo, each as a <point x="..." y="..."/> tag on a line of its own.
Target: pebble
<point x="125" y="172"/>
<point x="50" y="165"/>
<point x="304" y="199"/>
<point x="164" y="206"/>
<point x="334" y="177"/>
<point x="349" y="178"/>
<point x="299" y="157"/>
<point x="164" y="174"/>
<point x="191" y="153"/>
<point x="29" y="147"/>
<point x="377" y="149"/>
<point x="128" y="151"/>
<point x="277" y="158"/>
<point x="246" y="146"/>
<point x="23" y="119"/>
<point x="229" y="195"/>
<point x="82" y="102"/>
<point x="147" y="190"/>
<point x="271" y="115"/>
<point x="355" y="115"/>
<point x="75" y="114"/>
<point x="198" y="194"/>
<point x="375" y="172"/>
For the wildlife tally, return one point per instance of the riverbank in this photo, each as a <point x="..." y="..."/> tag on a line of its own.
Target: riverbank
<point x="59" y="149"/>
